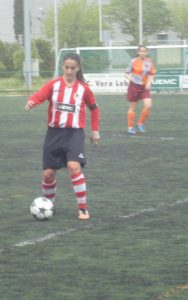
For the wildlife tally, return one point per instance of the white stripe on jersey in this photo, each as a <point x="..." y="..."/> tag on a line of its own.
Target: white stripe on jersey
<point x="72" y="96"/>
<point x="54" y="101"/>
<point x="66" y="100"/>
<point x="79" y="95"/>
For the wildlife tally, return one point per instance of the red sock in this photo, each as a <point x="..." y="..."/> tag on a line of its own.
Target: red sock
<point x="49" y="190"/>
<point x="130" y="118"/>
<point x="144" y="115"/>
<point x="79" y="187"/>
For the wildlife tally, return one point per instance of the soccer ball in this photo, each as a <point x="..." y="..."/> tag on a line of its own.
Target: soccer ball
<point x="42" y="208"/>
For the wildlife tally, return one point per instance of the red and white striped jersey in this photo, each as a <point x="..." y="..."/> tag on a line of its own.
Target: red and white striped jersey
<point x="67" y="104"/>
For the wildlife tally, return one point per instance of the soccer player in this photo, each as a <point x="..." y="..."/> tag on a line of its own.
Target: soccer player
<point x="68" y="96"/>
<point x="140" y="74"/>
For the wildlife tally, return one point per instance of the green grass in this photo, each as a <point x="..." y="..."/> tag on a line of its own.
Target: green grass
<point x="135" y="245"/>
<point x="16" y="85"/>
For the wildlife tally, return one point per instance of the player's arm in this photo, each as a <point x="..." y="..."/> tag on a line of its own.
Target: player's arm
<point x="95" y="136"/>
<point x="38" y="97"/>
<point x="95" y="117"/>
<point x="128" y="72"/>
<point x="150" y="78"/>
<point x="149" y="82"/>
<point x="30" y="104"/>
<point x="128" y="76"/>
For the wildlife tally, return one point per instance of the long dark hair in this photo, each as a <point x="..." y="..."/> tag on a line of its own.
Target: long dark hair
<point x="75" y="57"/>
<point x="142" y="46"/>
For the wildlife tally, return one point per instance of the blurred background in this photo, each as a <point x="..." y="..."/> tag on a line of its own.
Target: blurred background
<point x="35" y="34"/>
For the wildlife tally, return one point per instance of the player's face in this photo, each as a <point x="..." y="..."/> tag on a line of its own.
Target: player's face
<point x="142" y="52"/>
<point x="70" y="69"/>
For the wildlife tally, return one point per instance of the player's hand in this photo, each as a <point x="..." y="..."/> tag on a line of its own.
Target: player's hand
<point x="29" y="105"/>
<point x="128" y="77"/>
<point x="95" y="138"/>
<point x="148" y="86"/>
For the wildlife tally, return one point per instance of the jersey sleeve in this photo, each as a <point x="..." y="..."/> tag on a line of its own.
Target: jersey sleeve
<point x="128" y="69"/>
<point x="44" y="93"/>
<point x="94" y="109"/>
<point x="152" y="71"/>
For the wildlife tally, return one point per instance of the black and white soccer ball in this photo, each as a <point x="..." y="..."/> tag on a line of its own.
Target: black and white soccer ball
<point x="42" y="208"/>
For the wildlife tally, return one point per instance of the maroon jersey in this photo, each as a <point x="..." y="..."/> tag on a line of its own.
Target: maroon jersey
<point x="67" y="104"/>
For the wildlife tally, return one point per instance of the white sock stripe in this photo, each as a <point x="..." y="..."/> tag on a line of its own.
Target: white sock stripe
<point x="49" y="191"/>
<point x="81" y="200"/>
<point x="52" y="198"/>
<point x="49" y="184"/>
<point x="79" y="188"/>
<point x="81" y="176"/>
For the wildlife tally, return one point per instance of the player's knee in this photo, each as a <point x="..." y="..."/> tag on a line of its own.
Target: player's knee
<point x="147" y="108"/>
<point x="48" y="176"/>
<point x="148" y="103"/>
<point x="73" y="167"/>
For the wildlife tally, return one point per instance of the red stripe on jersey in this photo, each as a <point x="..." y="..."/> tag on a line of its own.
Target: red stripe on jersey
<point x="61" y="111"/>
<point x="50" y="112"/>
<point x="72" y="101"/>
<point x="59" y="100"/>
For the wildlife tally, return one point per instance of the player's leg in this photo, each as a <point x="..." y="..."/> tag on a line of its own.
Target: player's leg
<point x="133" y="98"/>
<point x="75" y="161"/>
<point x="131" y="117"/>
<point x="50" y="164"/>
<point x="145" y="113"/>
<point x="79" y="187"/>
<point x="49" y="184"/>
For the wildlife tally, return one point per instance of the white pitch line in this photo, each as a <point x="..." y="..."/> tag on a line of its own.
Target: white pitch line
<point x="152" y="209"/>
<point x="160" y="138"/>
<point x="178" y="202"/>
<point x="42" y="239"/>
<point x="141" y="212"/>
<point x="171" y="138"/>
<point x="49" y="237"/>
<point x="167" y="138"/>
<point x="70" y="230"/>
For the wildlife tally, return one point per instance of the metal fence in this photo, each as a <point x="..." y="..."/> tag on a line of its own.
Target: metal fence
<point x="19" y="70"/>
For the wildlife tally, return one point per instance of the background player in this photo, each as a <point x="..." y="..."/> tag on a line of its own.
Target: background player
<point x="140" y="74"/>
<point x="64" y="142"/>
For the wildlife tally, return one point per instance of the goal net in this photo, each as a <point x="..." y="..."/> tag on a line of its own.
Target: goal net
<point x="104" y="67"/>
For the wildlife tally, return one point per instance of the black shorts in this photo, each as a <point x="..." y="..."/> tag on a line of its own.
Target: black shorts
<point x="62" y="145"/>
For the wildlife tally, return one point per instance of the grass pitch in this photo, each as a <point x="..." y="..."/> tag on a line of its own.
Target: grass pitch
<point x="135" y="245"/>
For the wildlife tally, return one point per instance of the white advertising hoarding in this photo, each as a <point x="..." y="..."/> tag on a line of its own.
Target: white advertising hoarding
<point x="107" y="83"/>
<point x="116" y="83"/>
<point x="184" y="81"/>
